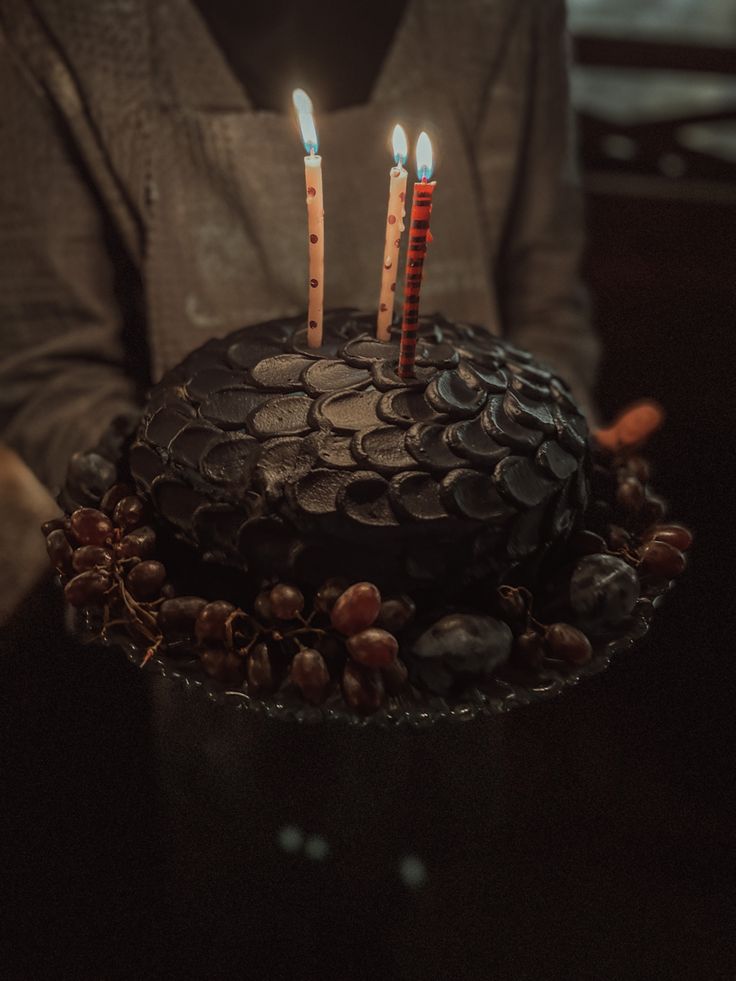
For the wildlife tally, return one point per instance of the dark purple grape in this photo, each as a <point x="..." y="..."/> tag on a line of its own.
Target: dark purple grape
<point x="138" y="544"/>
<point x="660" y="559"/>
<point x="287" y="602"/>
<point x="356" y="609"/>
<point x="146" y="579"/>
<point x="567" y="643"/>
<point x="54" y="525"/>
<point x="89" y="476"/>
<point x="395" y="677"/>
<point x="176" y="617"/>
<point x="260" y="671"/>
<point x="464" y="644"/>
<point x="59" y="549"/>
<point x="603" y="591"/>
<point x="211" y="622"/>
<point x="375" y="648"/>
<point x="396" y="613"/>
<point x="116" y="493"/>
<point x="91" y="557"/>
<point x="90" y="526"/>
<point x="630" y="495"/>
<point x="309" y="672"/>
<point x="223" y="666"/>
<point x="362" y="688"/>
<point x="675" y="535"/>
<point x="88" y="588"/>
<point x="130" y="512"/>
<point x="328" y="594"/>
<point x="528" y="652"/>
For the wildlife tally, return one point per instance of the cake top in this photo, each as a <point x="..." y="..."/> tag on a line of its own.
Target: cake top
<point x="266" y="454"/>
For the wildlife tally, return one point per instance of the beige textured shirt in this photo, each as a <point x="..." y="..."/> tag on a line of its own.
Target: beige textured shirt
<point x="145" y="205"/>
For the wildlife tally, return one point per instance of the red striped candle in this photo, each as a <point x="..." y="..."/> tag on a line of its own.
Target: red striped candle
<point x="421" y="209"/>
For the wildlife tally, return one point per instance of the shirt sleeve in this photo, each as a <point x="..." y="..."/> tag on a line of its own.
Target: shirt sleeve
<point x="543" y="302"/>
<point x="62" y="355"/>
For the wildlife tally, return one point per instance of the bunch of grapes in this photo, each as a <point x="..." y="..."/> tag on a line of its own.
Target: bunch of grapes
<point x="98" y="549"/>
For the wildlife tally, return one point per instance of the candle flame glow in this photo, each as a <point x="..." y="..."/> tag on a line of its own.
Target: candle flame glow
<point x="304" y="109"/>
<point x="400" y="146"/>
<point x="424" y="157"/>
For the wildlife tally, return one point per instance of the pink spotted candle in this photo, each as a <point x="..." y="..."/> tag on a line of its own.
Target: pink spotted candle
<point x="394" y="228"/>
<point x="419" y="236"/>
<point x="315" y="217"/>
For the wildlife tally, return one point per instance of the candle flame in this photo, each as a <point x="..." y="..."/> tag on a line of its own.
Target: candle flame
<point x="424" y="157"/>
<point x="304" y="109"/>
<point x="400" y="146"/>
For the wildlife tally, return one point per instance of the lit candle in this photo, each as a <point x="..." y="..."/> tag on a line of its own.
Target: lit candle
<point x="419" y="235"/>
<point x="394" y="228"/>
<point x="315" y="217"/>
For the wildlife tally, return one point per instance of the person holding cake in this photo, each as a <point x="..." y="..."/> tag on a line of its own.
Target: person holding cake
<point x="152" y="197"/>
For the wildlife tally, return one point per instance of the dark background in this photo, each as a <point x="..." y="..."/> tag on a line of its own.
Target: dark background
<point x="589" y="838"/>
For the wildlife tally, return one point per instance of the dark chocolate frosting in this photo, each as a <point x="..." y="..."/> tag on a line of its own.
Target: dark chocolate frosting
<point x="282" y="460"/>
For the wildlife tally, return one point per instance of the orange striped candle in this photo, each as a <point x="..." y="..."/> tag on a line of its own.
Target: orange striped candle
<point x="419" y="235"/>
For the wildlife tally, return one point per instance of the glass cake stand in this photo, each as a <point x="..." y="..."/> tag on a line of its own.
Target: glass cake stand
<point x="495" y="699"/>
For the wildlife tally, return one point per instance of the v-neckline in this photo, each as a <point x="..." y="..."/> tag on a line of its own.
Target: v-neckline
<point x="228" y="91"/>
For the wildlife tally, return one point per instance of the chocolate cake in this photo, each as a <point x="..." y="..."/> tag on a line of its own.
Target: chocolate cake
<point x="282" y="460"/>
<point x="306" y="531"/>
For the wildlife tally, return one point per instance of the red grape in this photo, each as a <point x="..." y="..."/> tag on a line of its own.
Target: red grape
<point x="138" y="544"/>
<point x="328" y="594"/>
<point x="91" y="557"/>
<point x="568" y="643"/>
<point x="287" y="602"/>
<point x="675" y="535"/>
<point x="356" y="609"/>
<point x="90" y="526"/>
<point x="177" y="616"/>
<point x="375" y="648"/>
<point x="630" y="494"/>
<point x="130" y="512"/>
<point x="309" y="672"/>
<point x="88" y="588"/>
<point x="262" y="605"/>
<point x="396" y="613"/>
<point x="146" y="579"/>
<point x="59" y="549"/>
<point x="223" y="666"/>
<point x="363" y="688"/>
<point x="260" y="673"/>
<point x="528" y="650"/>
<point x="111" y="497"/>
<point x="661" y="559"/>
<point x="210" y="625"/>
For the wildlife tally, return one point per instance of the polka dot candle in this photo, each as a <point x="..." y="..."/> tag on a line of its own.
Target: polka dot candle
<point x="315" y="217"/>
<point x="419" y="235"/>
<point x="394" y="228"/>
